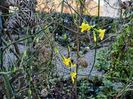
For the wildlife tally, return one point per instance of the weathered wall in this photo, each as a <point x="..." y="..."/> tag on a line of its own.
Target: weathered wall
<point x="111" y="8"/>
<point x="55" y="6"/>
<point x="108" y="8"/>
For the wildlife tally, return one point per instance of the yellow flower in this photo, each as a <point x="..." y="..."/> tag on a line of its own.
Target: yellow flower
<point x="101" y="33"/>
<point x="73" y="76"/>
<point x="85" y="27"/>
<point x="94" y="37"/>
<point x="66" y="61"/>
<point x="73" y="65"/>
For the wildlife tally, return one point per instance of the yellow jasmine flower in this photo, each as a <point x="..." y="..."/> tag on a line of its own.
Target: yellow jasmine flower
<point x="101" y="33"/>
<point x="73" y="65"/>
<point x="73" y="76"/>
<point x="94" y="37"/>
<point x="66" y="61"/>
<point x="85" y="27"/>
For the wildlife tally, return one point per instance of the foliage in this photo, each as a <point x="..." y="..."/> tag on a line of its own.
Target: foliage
<point x="57" y="40"/>
<point x="103" y="63"/>
<point x="117" y="63"/>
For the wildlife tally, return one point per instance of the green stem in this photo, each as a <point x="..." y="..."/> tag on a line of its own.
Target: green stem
<point x="94" y="59"/>
<point x="78" y="45"/>
<point x="1" y="44"/>
<point x="8" y="88"/>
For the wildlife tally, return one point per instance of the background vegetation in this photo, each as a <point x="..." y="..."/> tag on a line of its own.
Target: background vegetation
<point x="33" y="44"/>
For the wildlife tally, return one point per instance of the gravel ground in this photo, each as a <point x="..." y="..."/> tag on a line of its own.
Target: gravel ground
<point x="61" y="69"/>
<point x="83" y="72"/>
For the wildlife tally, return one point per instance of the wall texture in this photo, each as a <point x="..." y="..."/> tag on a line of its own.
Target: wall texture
<point x="91" y="6"/>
